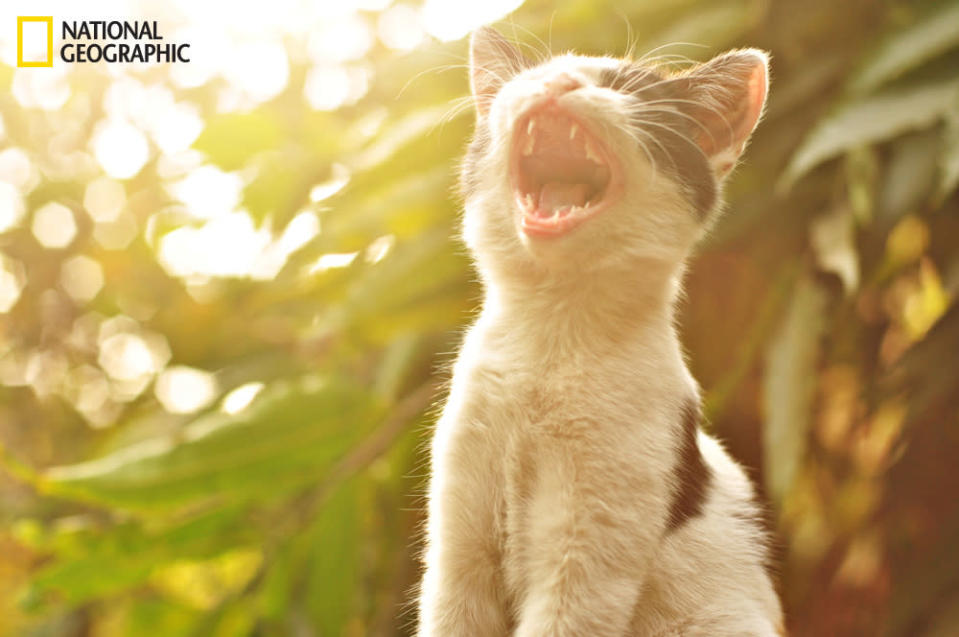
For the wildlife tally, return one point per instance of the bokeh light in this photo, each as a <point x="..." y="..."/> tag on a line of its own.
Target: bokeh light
<point x="12" y="280"/>
<point x="48" y="91"/>
<point x="82" y="278"/>
<point x="54" y="225"/>
<point x="11" y="206"/>
<point x="104" y="199"/>
<point x="17" y="169"/>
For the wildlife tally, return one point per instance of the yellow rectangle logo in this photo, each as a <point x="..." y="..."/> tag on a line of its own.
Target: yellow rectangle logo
<point x="21" y="20"/>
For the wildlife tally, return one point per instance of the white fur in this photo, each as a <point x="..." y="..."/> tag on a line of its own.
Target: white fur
<point x="552" y="464"/>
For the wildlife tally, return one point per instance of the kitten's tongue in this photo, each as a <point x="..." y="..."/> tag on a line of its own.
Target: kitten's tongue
<point x="556" y="195"/>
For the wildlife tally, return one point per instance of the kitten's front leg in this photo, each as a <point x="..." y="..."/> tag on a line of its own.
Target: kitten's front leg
<point x="462" y="593"/>
<point x="593" y="528"/>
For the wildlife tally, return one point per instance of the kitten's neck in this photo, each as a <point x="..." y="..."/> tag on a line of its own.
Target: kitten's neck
<point x="589" y="313"/>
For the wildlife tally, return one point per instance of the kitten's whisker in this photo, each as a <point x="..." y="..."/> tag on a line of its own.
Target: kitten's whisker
<point x="698" y="104"/>
<point x="648" y="122"/>
<point x="540" y="55"/>
<point x="457" y="107"/>
<point x="649" y="54"/>
<point x="494" y="71"/>
<point x="672" y="111"/>
<point x="635" y="84"/>
<point x="669" y="59"/>
<point x="631" y="43"/>
<point x="642" y="144"/>
<point x="549" y="33"/>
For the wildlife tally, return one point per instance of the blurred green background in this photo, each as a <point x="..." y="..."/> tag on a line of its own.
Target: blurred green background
<point x="229" y="291"/>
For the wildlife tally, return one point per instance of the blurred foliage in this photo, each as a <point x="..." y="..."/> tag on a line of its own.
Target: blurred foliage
<point x="820" y="320"/>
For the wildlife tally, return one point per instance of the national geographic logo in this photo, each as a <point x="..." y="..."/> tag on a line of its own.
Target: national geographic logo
<point x="33" y="30"/>
<point x="92" y="41"/>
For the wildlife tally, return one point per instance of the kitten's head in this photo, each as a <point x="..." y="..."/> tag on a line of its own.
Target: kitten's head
<point x="581" y="164"/>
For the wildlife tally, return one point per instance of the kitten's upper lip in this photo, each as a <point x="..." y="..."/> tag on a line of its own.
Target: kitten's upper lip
<point x="561" y="172"/>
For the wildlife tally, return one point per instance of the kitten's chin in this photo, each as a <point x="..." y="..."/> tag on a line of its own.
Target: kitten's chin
<point x="561" y="173"/>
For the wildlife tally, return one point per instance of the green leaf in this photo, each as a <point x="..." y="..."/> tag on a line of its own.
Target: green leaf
<point x="932" y="34"/>
<point x="715" y="24"/>
<point x="335" y="560"/>
<point x="789" y="384"/>
<point x="949" y="161"/>
<point x="411" y="128"/>
<point x="910" y="175"/>
<point x="148" y="616"/>
<point x="286" y="438"/>
<point x="126" y="554"/>
<point x="832" y="236"/>
<point x="281" y="185"/>
<point x="873" y="119"/>
<point x="230" y="140"/>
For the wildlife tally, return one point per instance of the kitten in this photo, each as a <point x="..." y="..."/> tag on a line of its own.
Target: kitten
<point x="572" y="490"/>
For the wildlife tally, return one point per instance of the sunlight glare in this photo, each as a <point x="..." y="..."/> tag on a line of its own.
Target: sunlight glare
<point x="340" y="39"/>
<point x="184" y="390"/>
<point x="227" y="246"/>
<point x="327" y="87"/>
<point x="451" y="20"/>
<point x="240" y="398"/>
<point x="331" y="261"/>
<point x="400" y="28"/>
<point x="381" y="246"/>
<point x="260" y="70"/>
<point x="208" y="192"/>
<point x="120" y="148"/>
<point x="339" y="177"/>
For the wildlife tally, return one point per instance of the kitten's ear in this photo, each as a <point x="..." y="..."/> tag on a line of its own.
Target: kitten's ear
<point x="493" y="60"/>
<point x="730" y="92"/>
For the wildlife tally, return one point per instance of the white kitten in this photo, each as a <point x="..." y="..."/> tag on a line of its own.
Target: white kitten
<point x="572" y="491"/>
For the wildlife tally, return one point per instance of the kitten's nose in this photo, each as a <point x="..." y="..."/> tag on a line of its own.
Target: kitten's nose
<point x="561" y="83"/>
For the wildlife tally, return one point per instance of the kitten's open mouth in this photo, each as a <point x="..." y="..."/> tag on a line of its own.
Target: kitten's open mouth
<point x="561" y="173"/>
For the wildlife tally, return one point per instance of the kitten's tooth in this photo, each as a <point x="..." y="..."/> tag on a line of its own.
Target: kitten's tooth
<point x="573" y="130"/>
<point x="530" y="125"/>
<point x="529" y="201"/>
<point x="528" y="146"/>
<point x="592" y="154"/>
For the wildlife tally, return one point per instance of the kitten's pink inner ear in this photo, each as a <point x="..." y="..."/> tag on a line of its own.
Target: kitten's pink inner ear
<point x="726" y="132"/>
